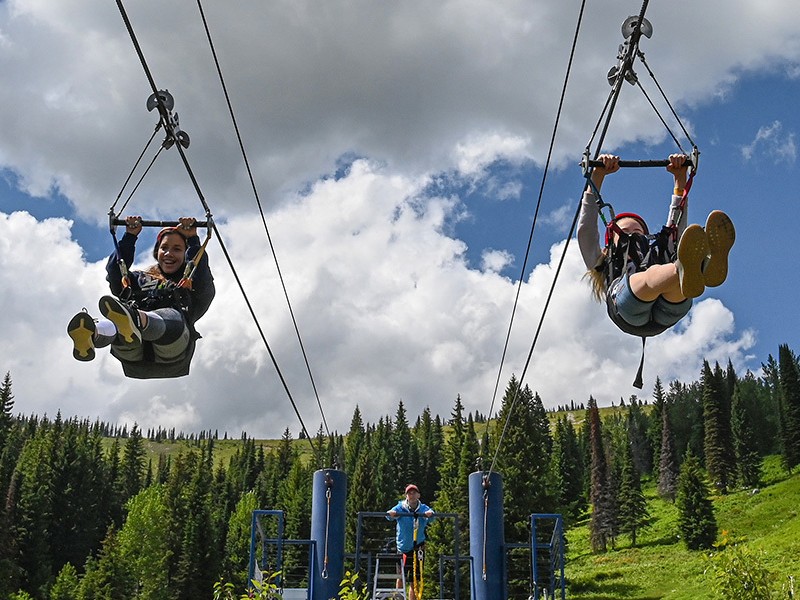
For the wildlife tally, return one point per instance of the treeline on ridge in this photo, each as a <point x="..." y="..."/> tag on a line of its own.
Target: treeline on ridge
<point x="79" y="497"/>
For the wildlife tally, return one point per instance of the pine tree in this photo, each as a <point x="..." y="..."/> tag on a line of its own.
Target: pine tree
<point x="748" y="461"/>
<point x="429" y="438"/>
<point x="633" y="513"/>
<point x="33" y="511"/>
<point x="696" y="521"/>
<point x="355" y="440"/>
<point x="668" y="461"/>
<point x="401" y="447"/>
<point x="6" y="406"/>
<point x="66" y="585"/>
<point x="523" y="457"/>
<point x="132" y="466"/>
<point x="656" y="420"/>
<point x="720" y="469"/>
<point x="602" y="521"/>
<point x="789" y="393"/>
<point x="365" y="498"/>
<point x="685" y="405"/>
<point x="567" y="468"/>
<point x="454" y="483"/>
<point x="640" y="446"/>
<point x="107" y="576"/>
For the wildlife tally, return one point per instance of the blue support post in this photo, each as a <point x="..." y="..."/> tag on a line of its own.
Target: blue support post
<point x="327" y="532"/>
<point x="486" y="535"/>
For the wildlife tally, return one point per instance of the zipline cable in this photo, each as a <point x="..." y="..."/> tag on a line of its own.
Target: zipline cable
<point x="170" y="129"/>
<point x="627" y="62"/>
<point x="536" y="213"/>
<point x="261" y="212"/>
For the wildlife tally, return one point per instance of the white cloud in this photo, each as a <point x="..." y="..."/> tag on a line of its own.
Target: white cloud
<point x="772" y="142"/>
<point x="496" y="260"/>
<point x="386" y="303"/>
<point x="387" y="309"/>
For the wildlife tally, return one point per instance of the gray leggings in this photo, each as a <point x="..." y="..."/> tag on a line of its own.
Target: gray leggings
<point x="166" y="329"/>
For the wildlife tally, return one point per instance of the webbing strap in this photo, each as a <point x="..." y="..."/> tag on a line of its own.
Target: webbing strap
<point x="638" y="383"/>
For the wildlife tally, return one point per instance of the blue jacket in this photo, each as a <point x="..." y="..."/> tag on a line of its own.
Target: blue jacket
<point x="405" y="525"/>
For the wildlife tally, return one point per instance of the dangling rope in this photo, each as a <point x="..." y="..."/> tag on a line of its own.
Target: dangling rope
<point x="328" y="485"/>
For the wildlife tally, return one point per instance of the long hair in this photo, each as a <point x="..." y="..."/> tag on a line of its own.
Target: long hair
<point x="597" y="277"/>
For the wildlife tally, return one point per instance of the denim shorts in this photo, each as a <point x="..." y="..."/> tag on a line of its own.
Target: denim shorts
<point x="639" y="313"/>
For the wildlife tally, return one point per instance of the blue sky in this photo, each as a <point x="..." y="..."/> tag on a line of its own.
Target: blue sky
<point x="398" y="151"/>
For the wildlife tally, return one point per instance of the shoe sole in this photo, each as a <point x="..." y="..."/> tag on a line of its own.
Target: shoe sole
<point x="115" y="312"/>
<point x="692" y="252"/>
<point x="81" y="329"/>
<point x="721" y="235"/>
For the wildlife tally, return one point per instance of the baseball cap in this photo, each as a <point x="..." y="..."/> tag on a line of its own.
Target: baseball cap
<point x="410" y="487"/>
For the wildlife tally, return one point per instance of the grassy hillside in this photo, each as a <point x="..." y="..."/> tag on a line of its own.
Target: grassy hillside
<point x="660" y="567"/>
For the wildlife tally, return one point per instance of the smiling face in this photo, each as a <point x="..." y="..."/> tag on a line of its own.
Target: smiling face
<point x="171" y="253"/>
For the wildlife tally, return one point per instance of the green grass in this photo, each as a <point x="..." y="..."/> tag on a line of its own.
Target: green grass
<point x="661" y="567"/>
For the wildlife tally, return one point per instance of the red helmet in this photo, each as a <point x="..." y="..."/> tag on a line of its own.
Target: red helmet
<point x="625" y="215"/>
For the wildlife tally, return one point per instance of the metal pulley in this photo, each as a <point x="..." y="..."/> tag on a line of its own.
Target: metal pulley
<point x="629" y="27"/>
<point x="165" y="102"/>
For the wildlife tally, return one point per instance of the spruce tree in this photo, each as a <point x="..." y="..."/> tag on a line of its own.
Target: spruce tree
<point x="602" y="522"/>
<point x="523" y="457"/>
<point x="696" y="521"/>
<point x="748" y="461"/>
<point x="668" y="461"/>
<point x="362" y="494"/>
<point x="132" y="467"/>
<point x="640" y="446"/>
<point x="633" y="513"/>
<point x="6" y="406"/>
<point x="656" y="419"/>
<point x="720" y="469"/>
<point x="567" y="468"/>
<point x="355" y="440"/>
<point x="789" y="394"/>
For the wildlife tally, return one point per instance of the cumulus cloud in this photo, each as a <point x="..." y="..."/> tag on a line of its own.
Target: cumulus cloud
<point x="772" y="142"/>
<point x="387" y="309"/>
<point x="387" y="304"/>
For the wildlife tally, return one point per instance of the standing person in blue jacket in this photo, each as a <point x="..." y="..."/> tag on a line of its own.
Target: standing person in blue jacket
<point x="150" y="325"/>
<point x="412" y="517"/>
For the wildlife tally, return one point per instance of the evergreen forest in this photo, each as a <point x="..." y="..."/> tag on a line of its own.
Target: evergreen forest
<point x="97" y="511"/>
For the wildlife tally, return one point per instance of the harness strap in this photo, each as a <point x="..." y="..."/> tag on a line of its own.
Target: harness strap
<point x="191" y="266"/>
<point x="638" y="383"/>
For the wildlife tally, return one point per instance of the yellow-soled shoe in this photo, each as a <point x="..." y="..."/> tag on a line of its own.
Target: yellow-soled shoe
<point x="721" y="235"/>
<point x="692" y="252"/>
<point x="116" y="312"/>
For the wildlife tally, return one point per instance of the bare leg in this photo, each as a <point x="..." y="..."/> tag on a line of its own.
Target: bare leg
<point x="658" y="280"/>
